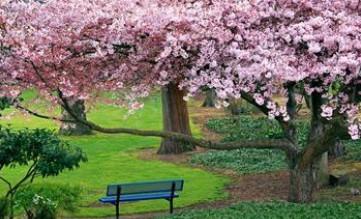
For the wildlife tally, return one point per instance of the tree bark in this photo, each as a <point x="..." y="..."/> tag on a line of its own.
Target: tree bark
<point x="77" y="128"/>
<point x="210" y="100"/>
<point x="235" y="107"/>
<point x="338" y="150"/>
<point x="175" y="119"/>
<point x="301" y="184"/>
<point x="321" y="171"/>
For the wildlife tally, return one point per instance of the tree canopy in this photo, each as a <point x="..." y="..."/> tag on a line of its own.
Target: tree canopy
<point x="251" y="48"/>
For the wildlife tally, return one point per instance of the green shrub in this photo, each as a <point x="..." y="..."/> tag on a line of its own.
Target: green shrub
<point x="46" y="200"/>
<point x="41" y="151"/>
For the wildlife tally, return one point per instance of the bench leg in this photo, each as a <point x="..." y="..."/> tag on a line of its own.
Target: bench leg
<point x="117" y="212"/>
<point x="171" y="206"/>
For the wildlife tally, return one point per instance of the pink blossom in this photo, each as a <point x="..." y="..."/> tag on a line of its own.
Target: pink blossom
<point x="353" y="130"/>
<point x="327" y="111"/>
<point x="259" y="99"/>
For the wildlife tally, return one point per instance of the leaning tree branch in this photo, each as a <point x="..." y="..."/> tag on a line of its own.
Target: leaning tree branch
<point x="319" y="146"/>
<point x="281" y="144"/>
<point x="42" y="116"/>
<point x="262" y="108"/>
<point x="288" y="127"/>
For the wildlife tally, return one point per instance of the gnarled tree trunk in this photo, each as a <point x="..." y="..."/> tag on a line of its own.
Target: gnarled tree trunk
<point x="77" y="128"/>
<point x="301" y="184"/>
<point x="175" y="119"/>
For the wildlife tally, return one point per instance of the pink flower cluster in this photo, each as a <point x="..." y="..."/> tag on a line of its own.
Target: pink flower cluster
<point x="252" y="46"/>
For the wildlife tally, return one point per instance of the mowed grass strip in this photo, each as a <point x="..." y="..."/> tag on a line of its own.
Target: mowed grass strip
<point x="112" y="159"/>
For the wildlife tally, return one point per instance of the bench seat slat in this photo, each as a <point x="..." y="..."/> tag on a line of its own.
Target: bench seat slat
<point x="138" y="197"/>
<point x="145" y="187"/>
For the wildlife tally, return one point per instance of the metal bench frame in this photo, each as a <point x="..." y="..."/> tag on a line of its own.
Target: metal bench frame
<point x="169" y="198"/>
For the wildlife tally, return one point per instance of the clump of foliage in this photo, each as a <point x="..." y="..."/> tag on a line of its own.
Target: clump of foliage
<point x="353" y="151"/>
<point x="242" y="107"/>
<point x="250" y="127"/>
<point x="243" y="161"/>
<point x="246" y="161"/>
<point x="40" y="150"/>
<point x="281" y="210"/>
<point x="4" y="103"/>
<point x="46" y="200"/>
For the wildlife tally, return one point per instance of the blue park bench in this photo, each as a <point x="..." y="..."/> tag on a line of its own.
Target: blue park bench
<point x="130" y="192"/>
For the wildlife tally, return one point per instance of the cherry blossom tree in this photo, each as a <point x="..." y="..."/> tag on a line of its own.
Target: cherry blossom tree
<point x="255" y="49"/>
<point x="125" y="60"/>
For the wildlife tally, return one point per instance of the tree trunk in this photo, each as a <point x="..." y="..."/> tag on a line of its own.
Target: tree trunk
<point x="337" y="151"/>
<point x="322" y="171"/>
<point x="235" y="107"/>
<point x="301" y="184"/>
<point x="78" y="107"/>
<point x="210" y="100"/>
<point x="175" y="119"/>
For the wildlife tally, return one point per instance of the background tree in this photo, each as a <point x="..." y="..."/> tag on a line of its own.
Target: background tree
<point x="210" y="100"/>
<point x="74" y="128"/>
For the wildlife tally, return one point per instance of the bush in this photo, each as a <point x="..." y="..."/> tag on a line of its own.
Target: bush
<point x="46" y="200"/>
<point x="41" y="151"/>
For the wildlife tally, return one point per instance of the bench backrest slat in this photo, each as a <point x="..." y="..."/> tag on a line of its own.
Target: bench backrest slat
<point x="145" y="187"/>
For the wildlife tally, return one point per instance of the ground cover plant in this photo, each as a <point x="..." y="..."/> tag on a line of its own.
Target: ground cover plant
<point x="279" y="210"/>
<point x="113" y="159"/>
<point x="244" y="161"/>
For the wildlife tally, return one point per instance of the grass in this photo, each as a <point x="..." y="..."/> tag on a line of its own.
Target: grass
<point x="277" y="210"/>
<point x="112" y="159"/>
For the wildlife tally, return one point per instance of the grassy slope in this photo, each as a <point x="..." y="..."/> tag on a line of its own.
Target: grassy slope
<point x="112" y="160"/>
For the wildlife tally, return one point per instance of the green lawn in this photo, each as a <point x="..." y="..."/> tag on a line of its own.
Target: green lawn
<point x="112" y="159"/>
